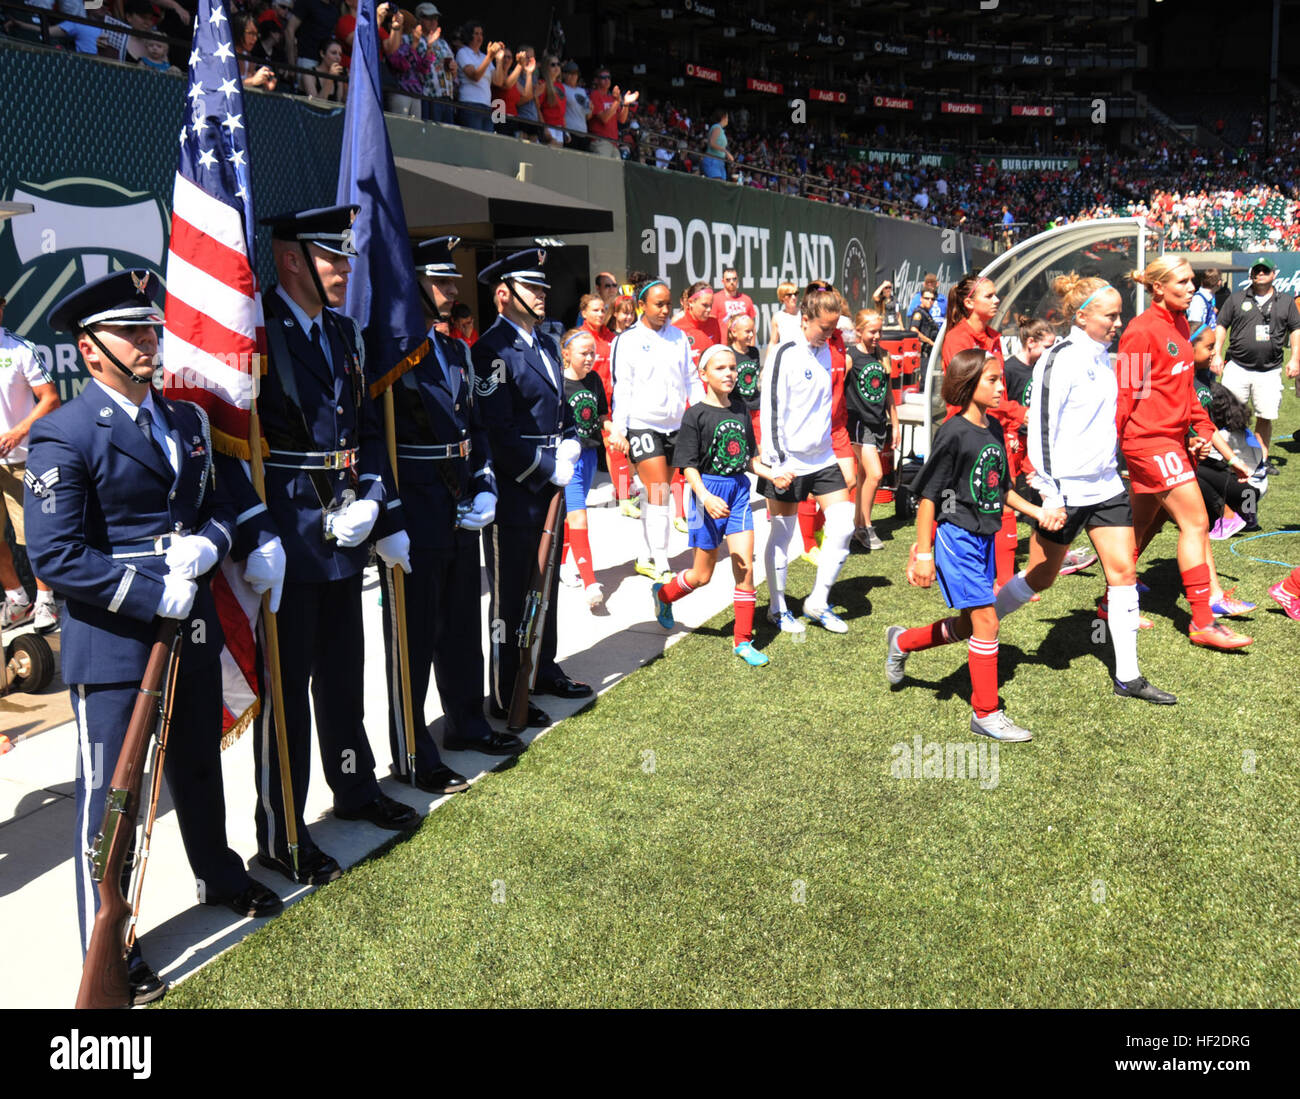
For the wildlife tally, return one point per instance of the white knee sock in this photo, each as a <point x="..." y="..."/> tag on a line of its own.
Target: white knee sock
<point x="1122" y="617"/>
<point x="776" y="557"/>
<point x="656" y="519"/>
<point x="835" y="548"/>
<point x="1014" y="594"/>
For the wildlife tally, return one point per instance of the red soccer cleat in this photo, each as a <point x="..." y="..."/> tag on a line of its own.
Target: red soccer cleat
<point x="1218" y="636"/>
<point x="1285" y="600"/>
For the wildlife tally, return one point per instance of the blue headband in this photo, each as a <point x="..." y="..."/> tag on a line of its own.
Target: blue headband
<point x="580" y="332"/>
<point x="1089" y="298"/>
<point x="652" y="282"/>
<point x="1199" y="329"/>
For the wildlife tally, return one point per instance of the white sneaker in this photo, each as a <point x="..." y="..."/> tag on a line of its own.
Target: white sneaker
<point x="788" y="622"/>
<point x="895" y="658"/>
<point x="595" y="595"/>
<point x="569" y="575"/>
<point x="873" y="539"/>
<point x="15" y="614"/>
<point x="47" y="616"/>
<point x="1077" y="560"/>
<point x="997" y="726"/>
<point x="826" y="618"/>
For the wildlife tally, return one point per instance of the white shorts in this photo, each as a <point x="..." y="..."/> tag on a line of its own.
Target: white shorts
<point x="1259" y="389"/>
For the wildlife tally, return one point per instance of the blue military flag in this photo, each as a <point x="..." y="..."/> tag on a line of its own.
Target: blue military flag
<point x="382" y="293"/>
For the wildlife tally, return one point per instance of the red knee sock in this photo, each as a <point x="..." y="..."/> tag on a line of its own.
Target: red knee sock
<point x="620" y="473"/>
<point x="1004" y="550"/>
<point x="982" y="659"/>
<point x="808" y="523"/>
<point x="744" y="604"/>
<point x="580" y="544"/>
<point x="1196" y="583"/>
<point x="675" y="588"/>
<point x="1292" y="583"/>
<point x="927" y="637"/>
<point x="679" y="493"/>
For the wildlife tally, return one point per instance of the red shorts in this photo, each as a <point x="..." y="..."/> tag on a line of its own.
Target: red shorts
<point x="758" y="431"/>
<point x="840" y="442"/>
<point x="1160" y="470"/>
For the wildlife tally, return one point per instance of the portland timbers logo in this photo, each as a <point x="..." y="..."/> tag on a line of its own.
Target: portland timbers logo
<point x="986" y="477"/>
<point x="728" y="453"/>
<point x="1171" y="347"/>
<point x="1203" y="395"/>
<point x="872" y="383"/>
<point x="585" y="413"/>
<point x="747" y="378"/>
<point x="1026" y="395"/>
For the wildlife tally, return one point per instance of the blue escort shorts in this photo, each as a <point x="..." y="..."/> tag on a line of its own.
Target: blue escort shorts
<point x="966" y="566"/>
<point x="584" y="472"/>
<point x="708" y="533"/>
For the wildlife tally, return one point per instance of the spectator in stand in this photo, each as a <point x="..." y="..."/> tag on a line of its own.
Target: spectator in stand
<point x="155" y="58"/>
<point x="309" y="30"/>
<point x="328" y="78"/>
<point x="551" y="102"/>
<point x="438" y="82"/>
<point x="729" y="301"/>
<point x="884" y="304"/>
<point x="252" y="72"/>
<point x="346" y="28"/>
<point x="507" y="68"/>
<point x="475" y="91"/>
<point x="141" y="15"/>
<point x="1203" y="310"/>
<point x="609" y="110"/>
<point x="939" y="309"/>
<point x="923" y="324"/>
<point x="530" y="89"/>
<point x="269" y="49"/>
<point x="577" y="106"/>
<point x="714" y="162"/>
<point x="462" y="323"/>
<point x="406" y="60"/>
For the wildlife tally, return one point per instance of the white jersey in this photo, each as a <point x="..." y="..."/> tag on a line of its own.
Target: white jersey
<point x="789" y="326"/>
<point x="795" y="410"/>
<point x="20" y="370"/>
<point x="653" y="378"/>
<point x="1072" y="434"/>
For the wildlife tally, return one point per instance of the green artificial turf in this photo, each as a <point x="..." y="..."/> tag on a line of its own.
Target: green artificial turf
<point x="765" y="855"/>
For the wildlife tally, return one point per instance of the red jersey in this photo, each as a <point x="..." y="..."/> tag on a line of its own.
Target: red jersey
<point x="1157" y="401"/>
<point x="840" y="441"/>
<point x="601" y="366"/>
<point x="699" y="336"/>
<point x="600" y="101"/>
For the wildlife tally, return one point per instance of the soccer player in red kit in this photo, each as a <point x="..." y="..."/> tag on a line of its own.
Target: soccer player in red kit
<point x="1156" y="407"/>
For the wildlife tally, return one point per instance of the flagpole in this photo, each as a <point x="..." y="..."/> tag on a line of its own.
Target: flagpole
<point x="273" y="660"/>
<point x="399" y="597"/>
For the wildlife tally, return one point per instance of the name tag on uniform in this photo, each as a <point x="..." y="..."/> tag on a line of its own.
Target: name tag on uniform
<point x="1261" y="333"/>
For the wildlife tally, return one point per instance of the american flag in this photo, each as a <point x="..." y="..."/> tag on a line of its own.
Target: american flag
<point x="214" y="314"/>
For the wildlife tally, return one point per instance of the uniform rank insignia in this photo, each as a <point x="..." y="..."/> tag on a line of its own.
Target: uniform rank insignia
<point x="197" y="449"/>
<point x="486" y="386"/>
<point x="39" y="486"/>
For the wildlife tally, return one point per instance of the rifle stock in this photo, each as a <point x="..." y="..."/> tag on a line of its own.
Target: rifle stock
<point x="103" y="974"/>
<point x="532" y="623"/>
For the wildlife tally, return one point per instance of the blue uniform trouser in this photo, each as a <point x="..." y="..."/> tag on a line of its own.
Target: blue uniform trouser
<point x="322" y="650"/>
<point x="445" y="633"/>
<point x="192" y="769"/>
<point x="511" y="554"/>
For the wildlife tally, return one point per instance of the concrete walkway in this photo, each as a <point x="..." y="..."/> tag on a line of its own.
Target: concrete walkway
<point x="40" y="962"/>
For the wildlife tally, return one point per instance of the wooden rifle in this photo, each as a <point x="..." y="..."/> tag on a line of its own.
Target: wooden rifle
<point x="103" y="974"/>
<point x="532" y="624"/>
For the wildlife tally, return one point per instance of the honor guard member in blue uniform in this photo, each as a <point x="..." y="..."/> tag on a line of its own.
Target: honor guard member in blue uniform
<point x="449" y="493"/>
<point x="125" y="519"/>
<point x="519" y="383"/>
<point x="325" y="490"/>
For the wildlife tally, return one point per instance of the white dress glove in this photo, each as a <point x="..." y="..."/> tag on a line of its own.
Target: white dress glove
<point x="177" y="597"/>
<point x="564" y="472"/>
<point x="264" y="571"/>
<point x="351" y="525"/>
<point x="569" y="450"/>
<point x="190" y="556"/>
<point x="395" y="551"/>
<point x="481" y="512"/>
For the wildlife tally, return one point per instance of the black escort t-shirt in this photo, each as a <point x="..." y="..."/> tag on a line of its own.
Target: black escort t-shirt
<point x="587" y="402"/>
<point x="1018" y="377"/>
<point x="716" y="441"/>
<point x="747" y="380"/>
<point x="966" y="475"/>
<point x="866" y="392"/>
<point x="1257" y="332"/>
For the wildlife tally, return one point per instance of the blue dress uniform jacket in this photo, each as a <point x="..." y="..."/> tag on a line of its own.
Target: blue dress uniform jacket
<point x="434" y="404"/>
<point x="96" y="483"/>
<point x="334" y="423"/>
<point x="524" y="410"/>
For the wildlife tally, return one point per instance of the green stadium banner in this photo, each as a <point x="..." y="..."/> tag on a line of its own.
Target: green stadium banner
<point x="897" y="156"/>
<point x="92" y="146"/>
<point x="685" y="229"/>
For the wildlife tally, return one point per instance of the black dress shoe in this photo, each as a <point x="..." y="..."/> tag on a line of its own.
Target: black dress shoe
<point x="537" y="717"/>
<point x="254" y="902"/>
<point x="441" y="780"/>
<point x="146" y="986"/>
<point x="314" y="868"/>
<point x="492" y="743"/>
<point x="1140" y="688"/>
<point x="384" y="812"/>
<point x="563" y="687"/>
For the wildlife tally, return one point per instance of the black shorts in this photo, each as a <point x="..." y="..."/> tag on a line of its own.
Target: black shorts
<point x="1115" y="512"/>
<point x="865" y="435"/>
<point x="822" y="483"/>
<point x="1025" y="489"/>
<point x="645" y="444"/>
